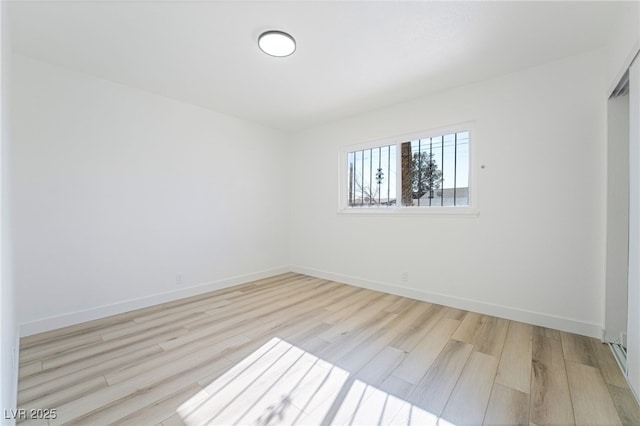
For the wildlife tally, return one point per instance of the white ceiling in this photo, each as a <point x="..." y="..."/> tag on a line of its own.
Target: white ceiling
<point x="351" y="57"/>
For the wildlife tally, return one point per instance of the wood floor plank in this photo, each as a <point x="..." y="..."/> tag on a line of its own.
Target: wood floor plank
<point x="301" y="333"/>
<point x="514" y="369"/>
<point x="354" y="320"/>
<point x="468" y="401"/>
<point x="491" y="338"/>
<point x="256" y="382"/>
<point x="592" y="403"/>
<point x="165" y="407"/>
<point x="608" y="366"/>
<point x="409" y="414"/>
<point x="400" y="305"/>
<point x="366" y="350"/>
<point x="179" y="418"/>
<point x="81" y="330"/>
<point x="61" y="396"/>
<point x="175" y="420"/>
<point x="380" y="367"/>
<point x="433" y="390"/>
<point x="259" y="304"/>
<point x="164" y="360"/>
<point x="178" y="319"/>
<point x="546" y="332"/>
<point x="550" y="401"/>
<point x="415" y="323"/>
<point x="260" y="309"/>
<point x="240" y="353"/>
<point x="188" y="370"/>
<point x="507" y="406"/>
<point x="228" y="325"/>
<point x="485" y="332"/>
<point x="169" y="394"/>
<point x="129" y="343"/>
<point x="355" y="308"/>
<point x="29" y="369"/>
<point x="218" y="331"/>
<point x="397" y="387"/>
<point x="367" y="405"/>
<point x="310" y="307"/>
<point x="470" y="327"/>
<point x="198" y="305"/>
<point x="418" y="361"/>
<point x="147" y="406"/>
<point x="578" y="349"/>
<point x="36" y="353"/>
<point x="454" y="313"/>
<point x="347" y="303"/>
<point x="53" y="379"/>
<point x="296" y="349"/>
<point x="349" y="342"/>
<point x="626" y="405"/>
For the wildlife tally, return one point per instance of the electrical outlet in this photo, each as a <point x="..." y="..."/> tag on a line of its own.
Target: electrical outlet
<point x="404" y="277"/>
<point x="179" y="280"/>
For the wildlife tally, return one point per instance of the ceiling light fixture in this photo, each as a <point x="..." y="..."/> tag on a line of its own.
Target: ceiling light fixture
<point x="276" y="43"/>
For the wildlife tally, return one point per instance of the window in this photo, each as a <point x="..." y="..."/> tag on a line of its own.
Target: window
<point x="432" y="171"/>
<point x="372" y="177"/>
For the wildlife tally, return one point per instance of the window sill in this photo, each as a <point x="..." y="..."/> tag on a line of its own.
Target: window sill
<point x="413" y="211"/>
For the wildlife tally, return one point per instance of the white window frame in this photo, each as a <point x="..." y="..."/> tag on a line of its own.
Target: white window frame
<point x="470" y="210"/>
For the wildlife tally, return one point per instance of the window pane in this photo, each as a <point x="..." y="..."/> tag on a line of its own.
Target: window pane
<point x="449" y="170"/>
<point x="434" y="173"/>
<point x="422" y="172"/>
<point x="371" y="177"/>
<point x="391" y="181"/>
<point x="351" y="167"/>
<point x="462" y="169"/>
<point x="357" y="183"/>
<point x="436" y="152"/>
<point x="366" y="172"/>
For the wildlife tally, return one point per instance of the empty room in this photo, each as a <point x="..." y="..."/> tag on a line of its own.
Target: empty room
<point x="320" y="213"/>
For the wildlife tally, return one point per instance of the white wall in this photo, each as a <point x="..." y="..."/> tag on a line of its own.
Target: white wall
<point x="536" y="251"/>
<point x="8" y="321"/>
<point x="117" y="190"/>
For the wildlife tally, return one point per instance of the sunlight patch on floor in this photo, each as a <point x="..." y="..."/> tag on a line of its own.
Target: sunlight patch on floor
<point x="281" y="384"/>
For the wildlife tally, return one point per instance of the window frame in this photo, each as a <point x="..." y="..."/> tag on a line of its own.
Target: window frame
<point x="399" y="209"/>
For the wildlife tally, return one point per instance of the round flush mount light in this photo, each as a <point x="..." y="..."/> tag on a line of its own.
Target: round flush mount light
<point x="276" y="43"/>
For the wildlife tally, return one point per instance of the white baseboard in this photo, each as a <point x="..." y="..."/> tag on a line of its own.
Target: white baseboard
<point x="529" y="317"/>
<point x="52" y="323"/>
<point x="535" y="318"/>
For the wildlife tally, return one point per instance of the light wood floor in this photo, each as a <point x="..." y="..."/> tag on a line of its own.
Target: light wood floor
<point x="299" y="350"/>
